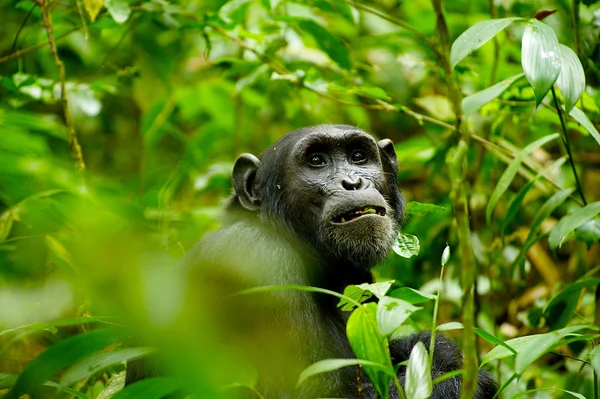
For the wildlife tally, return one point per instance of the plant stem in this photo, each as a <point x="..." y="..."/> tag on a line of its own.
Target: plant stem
<point x="73" y="141"/>
<point x="436" y="308"/>
<point x="568" y="146"/>
<point x="457" y="164"/>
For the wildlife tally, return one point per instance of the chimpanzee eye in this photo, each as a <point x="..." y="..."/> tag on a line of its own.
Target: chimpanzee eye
<point x="316" y="160"/>
<point x="358" y="157"/>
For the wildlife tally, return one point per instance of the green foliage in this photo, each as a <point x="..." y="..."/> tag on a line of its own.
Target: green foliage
<point x="162" y="96"/>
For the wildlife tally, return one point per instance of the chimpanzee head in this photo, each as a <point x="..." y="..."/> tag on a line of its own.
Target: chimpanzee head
<point x="333" y="186"/>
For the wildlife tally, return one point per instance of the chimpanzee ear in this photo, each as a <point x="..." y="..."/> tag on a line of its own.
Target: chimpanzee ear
<point x="244" y="176"/>
<point x="387" y="147"/>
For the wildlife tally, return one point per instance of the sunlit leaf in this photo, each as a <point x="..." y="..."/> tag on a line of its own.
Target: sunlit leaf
<point x="451" y="325"/>
<point x="475" y="37"/>
<point x="368" y="344"/>
<point x="118" y="9"/>
<point x="93" y="7"/>
<point x="571" y="80"/>
<point x="530" y="347"/>
<point x="570" y="222"/>
<point x="582" y="118"/>
<point x="407" y="245"/>
<point x="474" y="102"/>
<point x="377" y="289"/>
<point x="589" y="232"/>
<point x="530" y="391"/>
<point x="328" y="365"/>
<point x="493" y="339"/>
<point x="63" y="354"/>
<point x="418" y="373"/>
<point x="391" y="313"/>
<point x="414" y="208"/>
<point x="411" y="295"/>
<point x="511" y="171"/>
<point x="540" y="57"/>
<point x="100" y="361"/>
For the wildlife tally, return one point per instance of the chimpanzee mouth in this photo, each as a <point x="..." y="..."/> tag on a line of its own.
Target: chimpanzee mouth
<point x="360" y="212"/>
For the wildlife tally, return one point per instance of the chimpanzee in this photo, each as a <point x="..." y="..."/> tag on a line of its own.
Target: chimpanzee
<point x="319" y="208"/>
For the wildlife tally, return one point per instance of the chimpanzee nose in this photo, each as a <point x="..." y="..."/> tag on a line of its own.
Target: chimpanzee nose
<point x="353" y="182"/>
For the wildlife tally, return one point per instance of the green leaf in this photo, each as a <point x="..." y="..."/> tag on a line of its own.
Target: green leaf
<point x="561" y="307"/>
<point x="571" y="80"/>
<point x="328" y="365"/>
<point x="418" y="373"/>
<point x="451" y="325"/>
<point x="377" y="289"/>
<point x="584" y="121"/>
<point x="540" y="57"/>
<point x="368" y="344"/>
<point x="355" y="293"/>
<point x="407" y="245"/>
<point x="391" y="313"/>
<point x="93" y="8"/>
<point x="62" y="354"/>
<point x="575" y="394"/>
<point x="152" y="388"/>
<point x="531" y="347"/>
<point x="118" y="9"/>
<point x="7" y="380"/>
<point x="100" y="361"/>
<point x="493" y="339"/>
<point x="546" y="210"/>
<point x="474" y="102"/>
<point x="569" y="223"/>
<point x="476" y="36"/>
<point x="589" y="232"/>
<point x="414" y="208"/>
<point x="330" y="44"/>
<point x="411" y="295"/>
<point x="511" y="171"/>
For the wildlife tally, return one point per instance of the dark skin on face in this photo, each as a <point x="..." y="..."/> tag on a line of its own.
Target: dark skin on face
<point x="319" y="208"/>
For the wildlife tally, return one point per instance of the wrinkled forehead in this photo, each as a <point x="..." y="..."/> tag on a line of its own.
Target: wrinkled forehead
<point x="333" y="136"/>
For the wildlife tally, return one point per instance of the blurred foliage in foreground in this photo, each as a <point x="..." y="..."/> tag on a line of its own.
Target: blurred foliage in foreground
<point x="97" y="203"/>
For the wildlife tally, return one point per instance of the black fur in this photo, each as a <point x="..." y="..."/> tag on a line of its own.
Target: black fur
<point x="283" y="226"/>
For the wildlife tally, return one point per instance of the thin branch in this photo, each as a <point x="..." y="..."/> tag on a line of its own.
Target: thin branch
<point x="14" y="45"/>
<point x="73" y="142"/>
<point x="398" y="22"/>
<point x="568" y="146"/>
<point x="25" y="51"/>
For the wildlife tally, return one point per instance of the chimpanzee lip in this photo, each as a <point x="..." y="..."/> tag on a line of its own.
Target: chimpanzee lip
<point x="357" y="213"/>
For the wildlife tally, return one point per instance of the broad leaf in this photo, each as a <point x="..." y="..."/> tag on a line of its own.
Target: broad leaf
<point x="418" y="373"/>
<point x="411" y="295"/>
<point x="118" y="9"/>
<point x="540" y="57"/>
<point x="407" y="245"/>
<point x="584" y="121"/>
<point x="451" y="325"/>
<point x="570" y="222"/>
<point x="571" y="80"/>
<point x="328" y="365"/>
<point x="152" y="388"/>
<point x="414" y="208"/>
<point x="511" y="171"/>
<point x="391" y="313"/>
<point x="100" y="361"/>
<point x="474" y="102"/>
<point x="368" y="344"/>
<point x="529" y="352"/>
<point x="561" y="307"/>
<point x="62" y="354"/>
<point x="475" y="37"/>
<point x="93" y="7"/>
